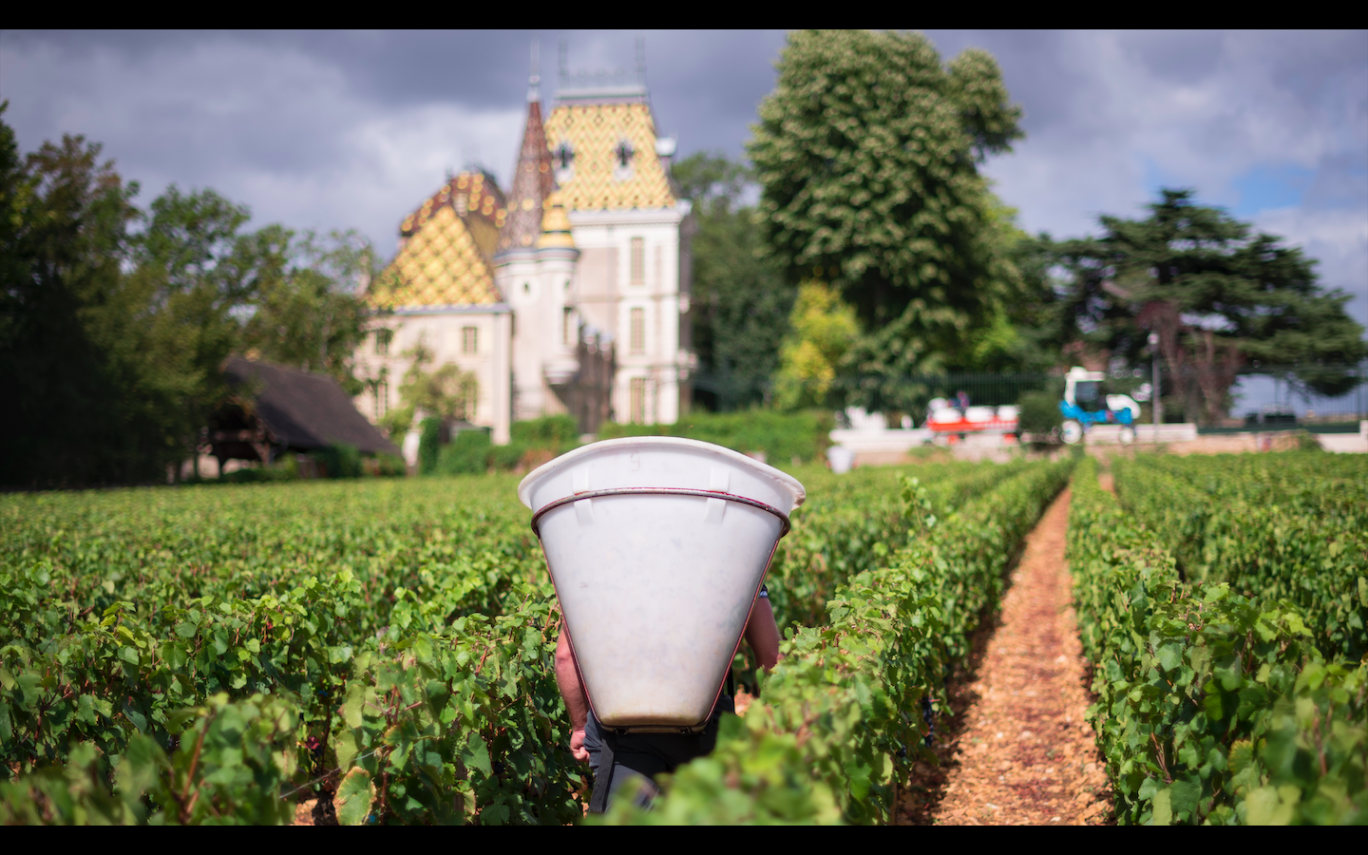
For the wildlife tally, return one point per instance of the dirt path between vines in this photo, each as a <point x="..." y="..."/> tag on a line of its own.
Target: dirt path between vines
<point x="1017" y="750"/>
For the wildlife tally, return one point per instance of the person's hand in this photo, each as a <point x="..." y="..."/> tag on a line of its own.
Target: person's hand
<point x="577" y="744"/>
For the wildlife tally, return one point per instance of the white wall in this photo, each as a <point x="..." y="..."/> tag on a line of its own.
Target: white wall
<point x="534" y="283"/>
<point x="441" y="331"/>
<point x="659" y="297"/>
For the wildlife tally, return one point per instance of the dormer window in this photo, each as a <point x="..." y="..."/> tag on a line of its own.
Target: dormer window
<point x="565" y="155"/>
<point x="623" y="154"/>
<point x="564" y="159"/>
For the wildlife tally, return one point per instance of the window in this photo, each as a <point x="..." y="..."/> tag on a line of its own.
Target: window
<point x="569" y="335"/>
<point x="638" y="403"/>
<point x="638" y="261"/>
<point x="472" y="394"/>
<point x="638" y="332"/>
<point x="382" y="341"/>
<point x="381" y="399"/>
<point x="470" y="340"/>
<point x="624" y="153"/>
<point x="564" y="155"/>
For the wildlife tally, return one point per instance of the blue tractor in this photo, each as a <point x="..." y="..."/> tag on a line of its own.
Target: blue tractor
<point x="1083" y="388"/>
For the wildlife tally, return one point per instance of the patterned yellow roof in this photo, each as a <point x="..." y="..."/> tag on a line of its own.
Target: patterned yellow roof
<point x="446" y="259"/>
<point x="470" y="193"/>
<point x="595" y="181"/>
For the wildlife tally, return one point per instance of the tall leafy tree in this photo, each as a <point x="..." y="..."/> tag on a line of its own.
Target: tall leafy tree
<point x="1018" y="335"/>
<point x="867" y="154"/>
<point x="822" y="329"/>
<point x="740" y="305"/>
<point x="64" y="220"/>
<point x="1220" y="295"/>
<point x="182" y="302"/>
<point x="306" y="309"/>
<point x="114" y="322"/>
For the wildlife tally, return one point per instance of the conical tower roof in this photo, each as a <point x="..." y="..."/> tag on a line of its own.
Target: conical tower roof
<point x="532" y="184"/>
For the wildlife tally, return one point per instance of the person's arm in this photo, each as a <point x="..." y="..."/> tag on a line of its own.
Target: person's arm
<point x="572" y="690"/>
<point x="763" y="635"/>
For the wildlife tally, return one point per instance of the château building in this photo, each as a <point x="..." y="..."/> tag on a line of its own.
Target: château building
<point x="569" y="293"/>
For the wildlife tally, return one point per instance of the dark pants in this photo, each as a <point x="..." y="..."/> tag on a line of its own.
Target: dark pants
<point x="643" y="756"/>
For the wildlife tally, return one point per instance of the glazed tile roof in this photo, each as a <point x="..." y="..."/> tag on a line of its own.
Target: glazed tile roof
<point x="446" y="256"/>
<point x="595" y="181"/>
<point x="532" y="184"/>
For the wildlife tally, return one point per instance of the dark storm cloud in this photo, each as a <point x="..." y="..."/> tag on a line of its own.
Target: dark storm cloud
<point x="398" y="68"/>
<point x="710" y="82"/>
<point x="335" y="129"/>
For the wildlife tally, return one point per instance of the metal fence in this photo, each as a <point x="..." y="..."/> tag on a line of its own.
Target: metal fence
<point x="1287" y="389"/>
<point x="1259" y="394"/>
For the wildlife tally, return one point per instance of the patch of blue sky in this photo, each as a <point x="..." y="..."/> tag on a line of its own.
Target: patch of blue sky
<point x="1269" y="186"/>
<point x="1261" y="188"/>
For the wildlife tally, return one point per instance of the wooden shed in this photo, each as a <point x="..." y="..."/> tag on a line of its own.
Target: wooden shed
<point x="279" y="410"/>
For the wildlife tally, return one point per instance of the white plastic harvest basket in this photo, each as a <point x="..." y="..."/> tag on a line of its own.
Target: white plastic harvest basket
<point x="657" y="547"/>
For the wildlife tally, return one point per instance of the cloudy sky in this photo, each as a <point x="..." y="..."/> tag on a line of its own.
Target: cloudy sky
<point x="353" y="130"/>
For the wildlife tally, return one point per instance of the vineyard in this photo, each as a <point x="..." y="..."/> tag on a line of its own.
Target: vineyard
<point x="221" y="654"/>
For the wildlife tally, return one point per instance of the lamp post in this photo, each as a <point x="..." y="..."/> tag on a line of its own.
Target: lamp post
<point x="1154" y="374"/>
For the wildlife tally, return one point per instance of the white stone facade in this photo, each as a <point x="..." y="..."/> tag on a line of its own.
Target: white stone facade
<point x="642" y="303"/>
<point x="476" y="339"/>
<point x="539" y="286"/>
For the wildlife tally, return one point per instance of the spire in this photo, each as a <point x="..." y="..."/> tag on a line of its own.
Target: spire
<point x="532" y="180"/>
<point x="534" y="82"/>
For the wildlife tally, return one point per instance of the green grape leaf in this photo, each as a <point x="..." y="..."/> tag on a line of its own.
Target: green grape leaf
<point x="354" y="797"/>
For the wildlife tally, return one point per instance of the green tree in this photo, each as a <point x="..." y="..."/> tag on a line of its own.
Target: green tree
<point x="445" y="393"/>
<point x="1219" y="295"/>
<point x="114" y="334"/>
<point x="867" y="154"/>
<point x="64" y="220"/>
<point x="740" y="302"/>
<point x="114" y="323"/>
<point x="306" y="308"/>
<point x="822" y="330"/>
<point x="1017" y="336"/>
<point x="179" y="319"/>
